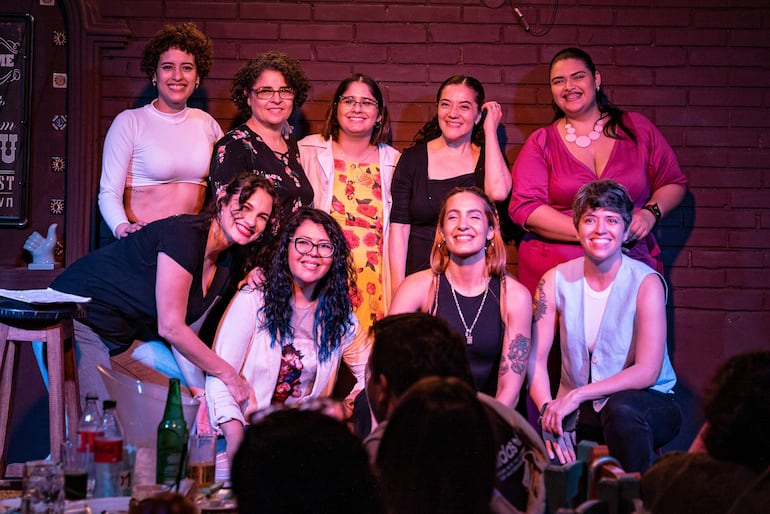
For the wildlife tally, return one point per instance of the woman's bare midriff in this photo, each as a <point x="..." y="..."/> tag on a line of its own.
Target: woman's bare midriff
<point x="151" y="203"/>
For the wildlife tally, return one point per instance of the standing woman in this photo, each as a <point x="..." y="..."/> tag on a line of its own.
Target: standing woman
<point x="351" y="167"/>
<point x="287" y="336"/>
<point x="157" y="283"/>
<point x="458" y="147"/>
<point x="589" y="139"/>
<point x="468" y="287"/>
<point x="156" y="158"/>
<point x="266" y="90"/>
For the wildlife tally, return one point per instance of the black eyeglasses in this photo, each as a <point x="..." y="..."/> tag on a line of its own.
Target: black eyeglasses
<point x="305" y="246"/>
<point x="266" y="93"/>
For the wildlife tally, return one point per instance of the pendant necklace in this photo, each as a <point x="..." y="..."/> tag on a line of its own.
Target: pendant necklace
<point x="583" y="141"/>
<point x="468" y="330"/>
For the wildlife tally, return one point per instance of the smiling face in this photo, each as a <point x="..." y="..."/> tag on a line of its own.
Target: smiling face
<point x="573" y="86"/>
<point x="465" y="226"/>
<point x="357" y="119"/>
<point x="308" y="269"/>
<point x="176" y="77"/>
<point x="458" y="112"/>
<point x="243" y="224"/>
<point x="273" y="112"/>
<point x="601" y="233"/>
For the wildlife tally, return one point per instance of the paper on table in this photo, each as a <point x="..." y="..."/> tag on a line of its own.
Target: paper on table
<point x="47" y="295"/>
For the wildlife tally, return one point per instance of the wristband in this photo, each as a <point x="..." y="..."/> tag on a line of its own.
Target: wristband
<point x="540" y="417"/>
<point x="655" y="210"/>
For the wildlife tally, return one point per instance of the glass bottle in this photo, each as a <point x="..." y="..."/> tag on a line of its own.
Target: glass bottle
<point x="172" y="438"/>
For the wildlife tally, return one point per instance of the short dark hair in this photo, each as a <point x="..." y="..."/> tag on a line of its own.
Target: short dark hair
<point x="185" y="37"/>
<point x="302" y="462"/>
<point x="248" y="74"/>
<point x="407" y="347"/>
<point x="737" y="407"/>
<point x="603" y="194"/>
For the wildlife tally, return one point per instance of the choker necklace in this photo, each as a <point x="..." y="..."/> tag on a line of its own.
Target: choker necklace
<point x="583" y="141"/>
<point x="468" y="330"/>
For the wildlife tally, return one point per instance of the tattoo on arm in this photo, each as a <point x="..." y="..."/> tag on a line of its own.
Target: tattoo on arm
<point x="539" y="305"/>
<point x="518" y="354"/>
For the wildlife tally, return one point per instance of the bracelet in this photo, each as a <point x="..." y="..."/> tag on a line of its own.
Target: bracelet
<point x="655" y="210"/>
<point x="540" y="417"/>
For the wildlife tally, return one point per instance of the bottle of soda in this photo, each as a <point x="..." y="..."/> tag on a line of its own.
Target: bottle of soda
<point x="172" y="438"/>
<point x="89" y="426"/>
<point x="108" y="454"/>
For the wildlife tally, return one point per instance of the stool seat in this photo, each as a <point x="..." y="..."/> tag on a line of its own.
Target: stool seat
<point x="20" y="323"/>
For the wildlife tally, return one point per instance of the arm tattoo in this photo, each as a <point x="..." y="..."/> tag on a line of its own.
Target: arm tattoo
<point x="539" y="305"/>
<point x="518" y="354"/>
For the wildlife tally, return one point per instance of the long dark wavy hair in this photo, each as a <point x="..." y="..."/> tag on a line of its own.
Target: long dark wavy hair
<point x="614" y="127"/>
<point x="431" y="129"/>
<point x="243" y="186"/>
<point x="332" y="314"/>
<point x="381" y="131"/>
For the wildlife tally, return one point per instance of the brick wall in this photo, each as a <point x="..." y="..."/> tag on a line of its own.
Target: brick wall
<point x="700" y="73"/>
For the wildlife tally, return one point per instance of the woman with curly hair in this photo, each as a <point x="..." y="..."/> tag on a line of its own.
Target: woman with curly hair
<point x="288" y="335"/>
<point x="468" y="287"/>
<point x="266" y="90"/>
<point x="156" y="157"/>
<point x="458" y="147"/>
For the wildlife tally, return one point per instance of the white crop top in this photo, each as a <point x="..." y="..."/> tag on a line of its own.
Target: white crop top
<point x="146" y="147"/>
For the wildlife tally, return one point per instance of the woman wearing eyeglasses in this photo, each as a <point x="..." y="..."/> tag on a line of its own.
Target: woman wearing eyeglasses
<point x="288" y="335"/>
<point x="457" y="148"/>
<point x="351" y="167"/>
<point x="266" y="90"/>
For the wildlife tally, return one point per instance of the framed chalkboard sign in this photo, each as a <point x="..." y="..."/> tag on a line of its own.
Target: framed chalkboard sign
<point x="16" y="33"/>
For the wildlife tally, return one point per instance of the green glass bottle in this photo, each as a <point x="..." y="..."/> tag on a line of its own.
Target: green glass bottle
<point x="172" y="438"/>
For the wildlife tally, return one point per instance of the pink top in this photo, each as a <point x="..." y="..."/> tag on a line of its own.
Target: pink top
<point x="546" y="173"/>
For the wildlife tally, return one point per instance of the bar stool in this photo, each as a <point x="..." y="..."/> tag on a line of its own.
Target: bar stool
<point x="21" y="323"/>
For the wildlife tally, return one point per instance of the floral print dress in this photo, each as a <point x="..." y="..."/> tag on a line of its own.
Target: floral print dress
<point x="357" y="207"/>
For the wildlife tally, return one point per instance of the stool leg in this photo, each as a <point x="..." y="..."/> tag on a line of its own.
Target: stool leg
<point x="55" y="389"/>
<point x="71" y="389"/>
<point x="7" y="365"/>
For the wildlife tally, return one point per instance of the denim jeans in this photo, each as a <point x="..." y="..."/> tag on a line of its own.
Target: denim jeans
<point x="633" y="424"/>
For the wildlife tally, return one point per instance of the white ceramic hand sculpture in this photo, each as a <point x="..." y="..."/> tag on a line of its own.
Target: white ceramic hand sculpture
<point x="42" y="249"/>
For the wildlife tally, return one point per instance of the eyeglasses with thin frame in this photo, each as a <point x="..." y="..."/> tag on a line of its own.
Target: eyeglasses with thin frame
<point x="304" y="246"/>
<point x="266" y="93"/>
<point x="367" y="104"/>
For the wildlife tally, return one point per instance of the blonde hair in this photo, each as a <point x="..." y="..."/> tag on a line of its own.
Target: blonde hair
<point x="496" y="256"/>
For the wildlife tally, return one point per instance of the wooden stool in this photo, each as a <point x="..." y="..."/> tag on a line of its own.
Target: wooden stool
<point x="20" y="323"/>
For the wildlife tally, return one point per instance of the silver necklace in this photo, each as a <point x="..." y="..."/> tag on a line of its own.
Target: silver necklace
<point x="583" y="141"/>
<point x="468" y="331"/>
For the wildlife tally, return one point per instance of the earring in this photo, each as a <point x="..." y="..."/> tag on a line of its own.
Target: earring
<point x="597" y="88"/>
<point x="197" y="84"/>
<point x="154" y="82"/>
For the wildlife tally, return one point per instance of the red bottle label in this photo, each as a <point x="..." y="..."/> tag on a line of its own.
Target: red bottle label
<point x="87" y="438"/>
<point x="108" y="450"/>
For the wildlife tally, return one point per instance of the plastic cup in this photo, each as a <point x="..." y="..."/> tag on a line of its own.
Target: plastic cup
<point x="202" y="458"/>
<point x="43" y="487"/>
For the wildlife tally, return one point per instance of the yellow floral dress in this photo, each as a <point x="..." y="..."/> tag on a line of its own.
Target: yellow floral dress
<point x="357" y="207"/>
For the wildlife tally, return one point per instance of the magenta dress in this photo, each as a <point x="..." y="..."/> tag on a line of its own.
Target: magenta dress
<point x="546" y="173"/>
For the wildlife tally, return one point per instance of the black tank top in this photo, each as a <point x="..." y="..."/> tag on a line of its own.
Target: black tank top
<point x="484" y="353"/>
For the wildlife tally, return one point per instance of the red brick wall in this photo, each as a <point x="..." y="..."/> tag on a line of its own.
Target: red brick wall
<point x="701" y="74"/>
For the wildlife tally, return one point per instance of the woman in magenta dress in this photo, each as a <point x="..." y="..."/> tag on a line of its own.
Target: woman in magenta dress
<point x="589" y="139"/>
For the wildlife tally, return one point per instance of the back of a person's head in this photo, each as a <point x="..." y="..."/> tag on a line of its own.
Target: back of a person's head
<point x="302" y="462"/>
<point x="437" y="453"/>
<point x="165" y="503"/>
<point x="737" y="407"/>
<point x="408" y="347"/>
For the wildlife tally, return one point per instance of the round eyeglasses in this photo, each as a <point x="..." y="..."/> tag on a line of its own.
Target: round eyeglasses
<point x="305" y="246"/>
<point x="367" y="104"/>
<point x="266" y="93"/>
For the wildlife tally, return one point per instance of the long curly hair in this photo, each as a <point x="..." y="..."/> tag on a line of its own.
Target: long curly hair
<point x="381" y="131"/>
<point x="185" y="37"/>
<point x="248" y="74"/>
<point x="243" y="186"/>
<point x="495" y="254"/>
<point x="614" y="127"/>
<point x="332" y="314"/>
<point x="431" y="129"/>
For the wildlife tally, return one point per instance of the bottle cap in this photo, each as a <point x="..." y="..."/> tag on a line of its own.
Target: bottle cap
<point x="91" y="396"/>
<point x="109" y="404"/>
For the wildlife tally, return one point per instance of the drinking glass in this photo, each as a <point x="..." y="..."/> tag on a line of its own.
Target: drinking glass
<point x="202" y="458"/>
<point x="43" y="487"/>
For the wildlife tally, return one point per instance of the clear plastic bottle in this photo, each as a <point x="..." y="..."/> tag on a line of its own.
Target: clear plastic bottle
<point x="108" y="454"/>
<point x="89" y="426"/>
